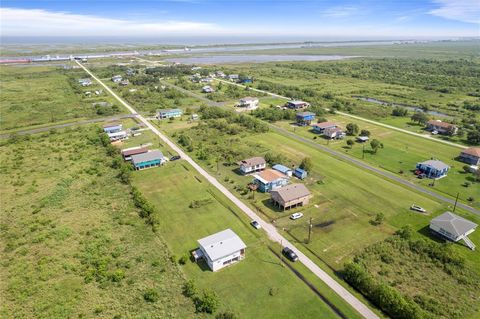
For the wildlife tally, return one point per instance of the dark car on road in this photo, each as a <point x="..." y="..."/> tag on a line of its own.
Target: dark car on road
<point x="174" y="158"/>
<point x="287" y="252"/>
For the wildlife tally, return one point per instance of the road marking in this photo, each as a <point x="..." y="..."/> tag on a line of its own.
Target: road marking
<point x="272" y="232"/>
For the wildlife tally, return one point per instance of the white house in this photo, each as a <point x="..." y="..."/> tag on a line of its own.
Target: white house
<point x="251" y="165"/>
<point x="115" y="136"/>
<point x="250" y="103"/>
<point x="454" y="228"/>
<point x="221" y="249"/>
<point x="207" y="89"/>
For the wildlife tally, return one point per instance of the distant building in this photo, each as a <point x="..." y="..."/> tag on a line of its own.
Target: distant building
<point x="432" y="169"/>
<point x="117" y="136"/>
<point x="291" y="196"/>
<point x="130" y="72"/>
<point x="251" y="165"/>
<point x="305" y="118"/>
<point x="334" y="133"/>
<point x="194" y="117"/>
<point x="206" y="80"/>
<point x="207" y="89"/>
<point x="116" y="78"/>
<point x="283" y="169"/>
<point x="471" y="156"/>
<point x="249" y="103"/>
<point x="147" y="160"/>
<point x="442" y="127"/>
<point x="320" y="127"/>
<point x="220" y="74"/>
<point x="168" y="113"/>
<point x="124" y="83"/>
<point x="300" y="173"/>
<point x="221" y="249"/>
<point x="362" y="139"/>
<point x="269" y="180"/>
<point x="233" y="77"/>
<point x="246" y="81"/>
<point x="454" y="228"/>
<point x="295" y="105"/>
<point x="85" y="82"/>
<point x="128" y="153"/>
<point x="112" y="127"/>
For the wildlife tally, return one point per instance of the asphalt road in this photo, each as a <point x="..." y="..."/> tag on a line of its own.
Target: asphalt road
<point x="57" y="126"/>
<point x="271" y="231"/>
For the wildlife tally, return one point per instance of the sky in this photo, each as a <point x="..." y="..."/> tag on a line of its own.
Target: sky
<point x="340" y="19"/>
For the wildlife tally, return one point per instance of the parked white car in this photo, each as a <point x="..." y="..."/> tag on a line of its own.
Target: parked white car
<point x="418" y="208"/>
<point x="255" y="224"/>
<point x="296" y="216"/>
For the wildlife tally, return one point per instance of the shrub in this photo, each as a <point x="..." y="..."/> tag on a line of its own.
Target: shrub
<point x="190" y="289"/>
<point x="151" y="295"/>
<point x="208" y="302"/>
<point x="183" y="260"/>
<point x="226" y="315"/>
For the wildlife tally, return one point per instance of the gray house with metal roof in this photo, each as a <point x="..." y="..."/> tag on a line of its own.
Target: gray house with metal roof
<point x="221" y="249"/>
<point x="149" y="159"/>
<point x="454" y="228"/>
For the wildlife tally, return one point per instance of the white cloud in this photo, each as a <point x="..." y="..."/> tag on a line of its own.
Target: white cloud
<point x="460" y="10"/>
<point x="38" y="22"/>
<point x="340" y="12"/>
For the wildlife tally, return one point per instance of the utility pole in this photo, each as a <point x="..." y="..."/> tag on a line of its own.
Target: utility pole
<point x="310" y="230"/>
<point x="363" y="151"/>
<point x="456" y="200"/>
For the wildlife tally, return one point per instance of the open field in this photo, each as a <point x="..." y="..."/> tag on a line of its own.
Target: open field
<point x="72" y="243"/>
<point x="36" y="95"/>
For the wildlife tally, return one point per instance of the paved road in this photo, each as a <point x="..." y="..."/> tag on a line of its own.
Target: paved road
<point x="57" y="126"/>
<point x="350" y="159"/>
<point x="428" y="137"/>
<point x="272" y="232"/>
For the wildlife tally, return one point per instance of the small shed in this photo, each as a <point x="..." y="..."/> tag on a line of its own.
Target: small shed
<point x="362" y="139"/>
<point x="454" y="228"/>
<point x="300" y="173"/>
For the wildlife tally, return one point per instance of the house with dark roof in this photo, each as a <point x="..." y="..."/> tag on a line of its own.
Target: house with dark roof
<point x="128" y="153"/>
<point x="442" y="127"/>
<point x="269" y="180"/>
<point x="432" y="169"/>
<point x="295" y="105"/>
<point x="454" y="228"/>
<point x="320" y="127"/>
<point x="305" y="118"/>
<point x="251" y="165"/>
<point x="149" y="159"/>
<point x="290" y="196"/>
<point x="470" y="156"/>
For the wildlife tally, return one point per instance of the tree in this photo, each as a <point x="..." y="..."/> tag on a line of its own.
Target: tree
<point x="473" y="137"/>
<point x="405" y="232"/>
<point x="208" y="302"/>
<point x="352" y="129"/>
<point x="306" y="164"/>
<point x="419" y="117"/>
<point x="375" y="145"/>
<point x="350" y="143"/>
<point x="379" y="218"/>
<point x="364" y="133"/>
<point x="399" y="111"/>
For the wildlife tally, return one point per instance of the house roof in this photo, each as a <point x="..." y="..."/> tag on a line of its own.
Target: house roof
<point x="438" y="165"/>
<point x="252" y="161"/>
<point x="269" y="175"/>
<point x="291" y="192"/>
<point x="363" y="138"/>
<point x="474" y="151"/>
<point x="169" y="110"/>
<point x="281" y="168"/>
<point x="116" y="134"/>
<point x="325" y="125"/>
<point x="145" y="157"/>
<point x="221" y="244"/>
<point x="296" y="102"/>
<point x="299" y="170"/>
<point x="440" y="123"/>
<point x="303" y="114"/>
<point x="453" y="224"/>
<point x="134" y="151"/>
<point x="330" y="130"/>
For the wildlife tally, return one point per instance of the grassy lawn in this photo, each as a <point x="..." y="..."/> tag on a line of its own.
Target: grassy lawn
<point x="171" y="189"/>
<point x="36" y="95"/>
<point x="73" y="245"/>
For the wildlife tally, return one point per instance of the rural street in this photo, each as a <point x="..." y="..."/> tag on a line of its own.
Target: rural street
<point x="344" y="157"/>
<point x="57" y="126"/>
<point x="272" y="232"/>
<point x="428" y="137"/>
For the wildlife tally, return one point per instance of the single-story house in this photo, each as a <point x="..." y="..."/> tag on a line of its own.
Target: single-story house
<point x="334" y="133"/>
<point x="233" y="77"/>
<point x="432" y="168"/>
<point x="320" y="127"/>
<point x="305" y="118"/>
<point x="300" y="173"/>
<point x="269" y="180"/>
<point x="220" y="74"/>
<point x="221" y="249"/>
<point x="248" y="102"/>
<point x="112" y="127"/>
<point x="471" y="156"/>
<point x="206" y="80"/>
<point x="207" y="89"/>
<point x="168" y="113"/>
<point x="442" y="127"/>
<point x="454" y="228"/>
<point x="253" y="164"/>
<point x="128" y="153"/>
<point x="297" y="104"/>
<point x="116" y="78"/>
<point x="291" y="196"/>
<point x="124" y="83"/>
<point x="362" y="139"/>
<point x="85" y="82"/>
<point x="283" y="169"/>
<point x="149" y="159"/>
<point x="117" y="136"/>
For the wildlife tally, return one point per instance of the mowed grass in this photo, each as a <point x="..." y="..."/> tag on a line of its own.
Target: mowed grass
<point x="400" y="155"/>
<point x="73" y="245"/>
<point x="243" y="288"/>
<point x="36" y="95"/>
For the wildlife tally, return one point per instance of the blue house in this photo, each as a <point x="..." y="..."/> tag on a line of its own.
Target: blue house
<point x="300" y="173"/>
<point x="112" y="127"/>
<point x="168" y="113"/>
<point x="246" y="81"/>
<point x="432" y="169"/>
<point x="305" y="118"/>
<point x="283" y="169"/>
<point x="147" y="160"/>
<point x="269" y="180"/>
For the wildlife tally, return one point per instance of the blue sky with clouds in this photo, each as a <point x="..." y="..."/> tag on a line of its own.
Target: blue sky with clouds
<point x="354" y="19"/>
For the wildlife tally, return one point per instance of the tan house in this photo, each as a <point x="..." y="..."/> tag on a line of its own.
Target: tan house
<point x="442" y="127"/>
<point x="291" y="196"/>
<point x="251" y="165"/>
<point x="471" y="156"/>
